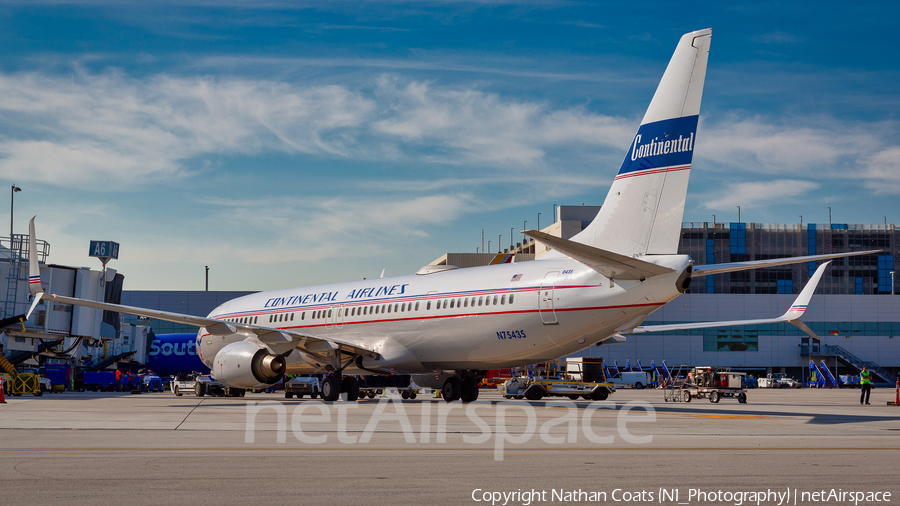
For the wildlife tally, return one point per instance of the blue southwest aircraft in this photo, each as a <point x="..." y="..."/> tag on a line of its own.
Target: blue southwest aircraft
<point x="172" y="354"/>
<point x="447" y="326"/>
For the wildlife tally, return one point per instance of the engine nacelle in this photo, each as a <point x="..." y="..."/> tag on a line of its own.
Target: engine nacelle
<point x="247" y="365"/>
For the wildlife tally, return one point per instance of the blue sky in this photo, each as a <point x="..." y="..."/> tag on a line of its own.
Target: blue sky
<point x="295" y="143"/>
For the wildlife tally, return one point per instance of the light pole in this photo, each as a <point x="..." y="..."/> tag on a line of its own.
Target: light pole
<point x="829" y="216"/>
<point x="539" y="222"/>
<point x="714" y="220"/>
<point x="511" y="241"/>
<point x="739" y="214"/>
<point x="524" y="227"/>
<point x="12" y="197"/>
<point x="554" y="213"/>
<point x="489" y="247"/>
<point x="801" y="221"/>
<point x="499" y="242"/>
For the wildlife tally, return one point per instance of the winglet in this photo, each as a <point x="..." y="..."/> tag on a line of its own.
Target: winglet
<point x="792" y="315"/>
<point x="34" y="266"/>
<point x="799" y="306"/>
<point x="34" y="270"/>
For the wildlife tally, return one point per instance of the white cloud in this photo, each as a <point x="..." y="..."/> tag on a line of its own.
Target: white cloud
<point x="758" y="194"/>
<point x="90" y="128"/>
<point x="84" y="129"/>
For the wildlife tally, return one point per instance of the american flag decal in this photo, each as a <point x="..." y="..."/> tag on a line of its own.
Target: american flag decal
<point x="516" y="277"/>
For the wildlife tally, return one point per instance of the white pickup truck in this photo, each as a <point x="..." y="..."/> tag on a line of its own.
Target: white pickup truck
<point x="777" y="380"/>
<point x="203" y="385"/>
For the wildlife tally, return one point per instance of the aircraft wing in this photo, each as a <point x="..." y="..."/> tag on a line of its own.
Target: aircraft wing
<point x="791" y="316"/>
<point x="277" y="340"/>
<point x="706" y="270"/>
<point x="612" y="265"/>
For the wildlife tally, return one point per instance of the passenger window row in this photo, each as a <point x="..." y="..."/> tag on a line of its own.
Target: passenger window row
<point x="384" y="308"/>
<point x="471" y="301"/>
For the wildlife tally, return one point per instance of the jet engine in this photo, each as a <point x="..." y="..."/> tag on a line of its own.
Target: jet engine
<point x="684" y="281"/>
<point x="247" y="365"/>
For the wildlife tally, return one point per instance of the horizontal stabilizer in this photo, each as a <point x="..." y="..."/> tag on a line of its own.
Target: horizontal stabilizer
<point x="792" y="315"/>
<point x="612" y="265"/>
<point x="706" y="270"/>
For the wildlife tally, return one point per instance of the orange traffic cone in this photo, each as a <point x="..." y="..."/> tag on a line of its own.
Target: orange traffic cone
<point x="896" y="395"/>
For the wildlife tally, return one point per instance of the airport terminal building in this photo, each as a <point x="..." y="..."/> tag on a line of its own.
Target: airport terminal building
<point x="854" y="310"/>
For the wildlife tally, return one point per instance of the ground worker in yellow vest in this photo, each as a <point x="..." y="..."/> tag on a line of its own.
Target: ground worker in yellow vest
<point x="865" y="383"/>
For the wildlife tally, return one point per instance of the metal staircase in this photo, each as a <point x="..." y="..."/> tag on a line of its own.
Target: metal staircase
<point x="13" y="275"/>
<point x="831" y="350"/>
<point x="18" y="257"/>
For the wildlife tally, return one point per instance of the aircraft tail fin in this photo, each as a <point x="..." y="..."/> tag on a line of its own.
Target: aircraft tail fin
<point x="643" y="210"/>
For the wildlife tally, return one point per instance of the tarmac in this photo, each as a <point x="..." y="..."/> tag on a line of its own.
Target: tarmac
<point x="815" y="446"/>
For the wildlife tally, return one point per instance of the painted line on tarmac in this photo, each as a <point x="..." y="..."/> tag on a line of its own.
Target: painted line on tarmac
<point x="394" y="449"/>
<point x="734" y="417"/>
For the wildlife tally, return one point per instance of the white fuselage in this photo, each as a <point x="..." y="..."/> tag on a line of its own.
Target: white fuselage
<point x="479" y="318"/>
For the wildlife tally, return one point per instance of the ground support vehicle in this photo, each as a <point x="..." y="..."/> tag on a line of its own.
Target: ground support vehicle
<point x="104" y="381"/>
<point x="22" y="383"/>
<point x="707" y="383"/>
<point x="152" y="383"/>
<point x="181" y="384"/>
<point x="536" y="389"/>
<point x="777" y="380"/>
<point x="572" y="379"/>
<point x="633" y="379"/>
<point x="373" y="385"/>
<point x="206" y="385"/>
<point x="303" y="385"/>
<point x="201" y="386"/>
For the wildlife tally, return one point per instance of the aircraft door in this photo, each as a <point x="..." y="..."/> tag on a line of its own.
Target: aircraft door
<point x="339" y="316"/>
<point x="334" y="317"/>
<point x="546" y="298"/>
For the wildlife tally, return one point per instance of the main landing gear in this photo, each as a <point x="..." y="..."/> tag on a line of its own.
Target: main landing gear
<point x="462" y="386"/>
<point x="336" y="384"/>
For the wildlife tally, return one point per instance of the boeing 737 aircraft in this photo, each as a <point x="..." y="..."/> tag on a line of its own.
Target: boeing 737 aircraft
<point x="447" y="326"/>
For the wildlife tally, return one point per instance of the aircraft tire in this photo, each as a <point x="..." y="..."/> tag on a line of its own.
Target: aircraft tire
<point x="599" y="394"/>
<point x="351" y="386"/>
<point x="451" y="389"/>
<point x="534" y="394"/>
<point x="469" y="390"/>
<point x="331" y="389"/>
